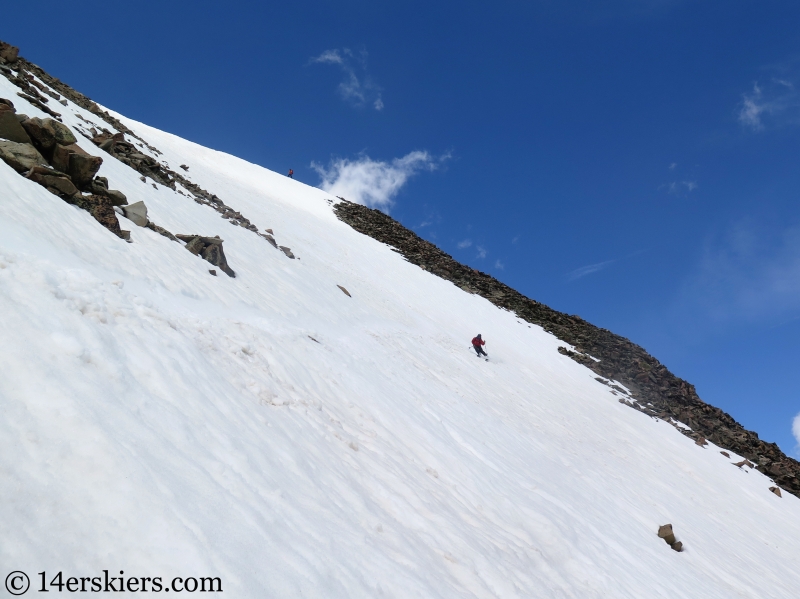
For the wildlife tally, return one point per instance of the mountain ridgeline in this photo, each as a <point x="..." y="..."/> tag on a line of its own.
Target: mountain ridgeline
<point x="654" y="389"/>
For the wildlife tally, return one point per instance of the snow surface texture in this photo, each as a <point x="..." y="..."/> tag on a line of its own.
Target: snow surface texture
<point x="165" y="422"/>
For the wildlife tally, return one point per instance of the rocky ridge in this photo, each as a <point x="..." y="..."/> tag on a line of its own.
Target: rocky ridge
<point x="36" y="84"/>
<point x="651" y="387"/>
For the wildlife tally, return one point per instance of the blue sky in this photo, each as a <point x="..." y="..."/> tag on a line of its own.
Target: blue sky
<point x="635" y="164"/>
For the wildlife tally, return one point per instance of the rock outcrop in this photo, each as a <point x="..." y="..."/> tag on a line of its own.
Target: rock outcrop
<point x="51" y="158"/>
<point x="209" y="249"/>
<point x="35" y="84"/>
<point x="657" y="391"/>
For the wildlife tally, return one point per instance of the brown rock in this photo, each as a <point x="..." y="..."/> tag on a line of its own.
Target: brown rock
<point x="46" y="133"/>
<point x="43" y="136"/>
<point x="725" y="453"/>
<point x="776" y="490"/>
<point x="677" y="546"/>
<point x="665" y="532"/>
<point x="10" y="128"/>
<point x="55" y="182"/>
<point x="102" y="211"/>
<point x="701" y="441"/>
<point x="74" y="161"/>
<point x="8" y="53"/>
<point x="345" y="291"/>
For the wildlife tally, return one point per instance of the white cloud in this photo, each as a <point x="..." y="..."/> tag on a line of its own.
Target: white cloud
<point x="773" y="104"/>
<point x="370" y="182"/>
<point x="464" y="244"/>
<point x="499" y="265"/>
<point x="796" y="433"/>
<point x="587" y="270"/>
<point x="672" y="166"/>
<point x="751" y="109"/>
<point x="330" y="57"/>
<point x="481" y="252"/>
<point x="357" y="88"/>
<point x="680" y="188"/>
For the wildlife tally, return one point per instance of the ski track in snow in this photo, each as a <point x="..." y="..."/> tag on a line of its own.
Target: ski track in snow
<point x="169" y="423"/>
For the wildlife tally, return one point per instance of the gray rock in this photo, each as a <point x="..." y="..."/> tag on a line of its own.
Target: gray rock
<point x="117" y="197"/>
<point x="287" y="251"/>
<point x="21" y="157"/>
<point x="137" y="213"/>
<point x="63" y="135"/>
<point x="208" y="248"/>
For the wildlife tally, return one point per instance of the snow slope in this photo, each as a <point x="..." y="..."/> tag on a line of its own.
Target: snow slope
<point x="165" y="422"/>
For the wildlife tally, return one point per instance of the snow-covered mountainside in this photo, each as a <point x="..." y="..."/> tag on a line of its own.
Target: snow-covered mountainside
<point x="317" y="426"/>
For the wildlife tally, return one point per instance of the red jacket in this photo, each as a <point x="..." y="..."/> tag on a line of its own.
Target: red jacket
<point x="477" y="341"/>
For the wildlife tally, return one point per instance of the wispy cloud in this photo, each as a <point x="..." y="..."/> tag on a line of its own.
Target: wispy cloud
<point x="464" y="244"/>
<point x="374" y="183"/>
<point x="357" y="88"/>
<point x="587" y="270"/>
<point x="672" y="166"/>
<point x="481" y="252"/>
<point x="499" y="265"/>
<point x="796" y="433"/>
<point x="770" y="104"/>
<point x="680" y="188"/>
<point x="747" y="274"/>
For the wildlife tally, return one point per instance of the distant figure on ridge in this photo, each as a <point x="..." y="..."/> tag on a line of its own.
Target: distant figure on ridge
<point x="477" y="342"/>
<point x="291" y="174"/>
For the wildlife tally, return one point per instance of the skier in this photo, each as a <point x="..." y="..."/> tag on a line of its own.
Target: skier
<point x="291" y="174"/>
<point x="477" y="342"/>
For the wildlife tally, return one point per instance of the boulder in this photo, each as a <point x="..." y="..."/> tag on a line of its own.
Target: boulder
<point x="8" y="53"/>
<point x="665" y="532"/>
<point x="55" y="182"/>
<point x="776" y="490"/>
<point x="287" y="251"/>
<point x="10" y="128"/>
<point x="43" y="136"/>
<point x="47" y="133"/>
<point x="62" y="133"/>
<point x="100" y="187"/>
<point x="208" y="248"/>
<point x="20" y="156"/>
<point x="117" y="197"/>
<point x="8" y="103"/>
<point x="74" y="161"/>
<point x="137" y="213"/>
